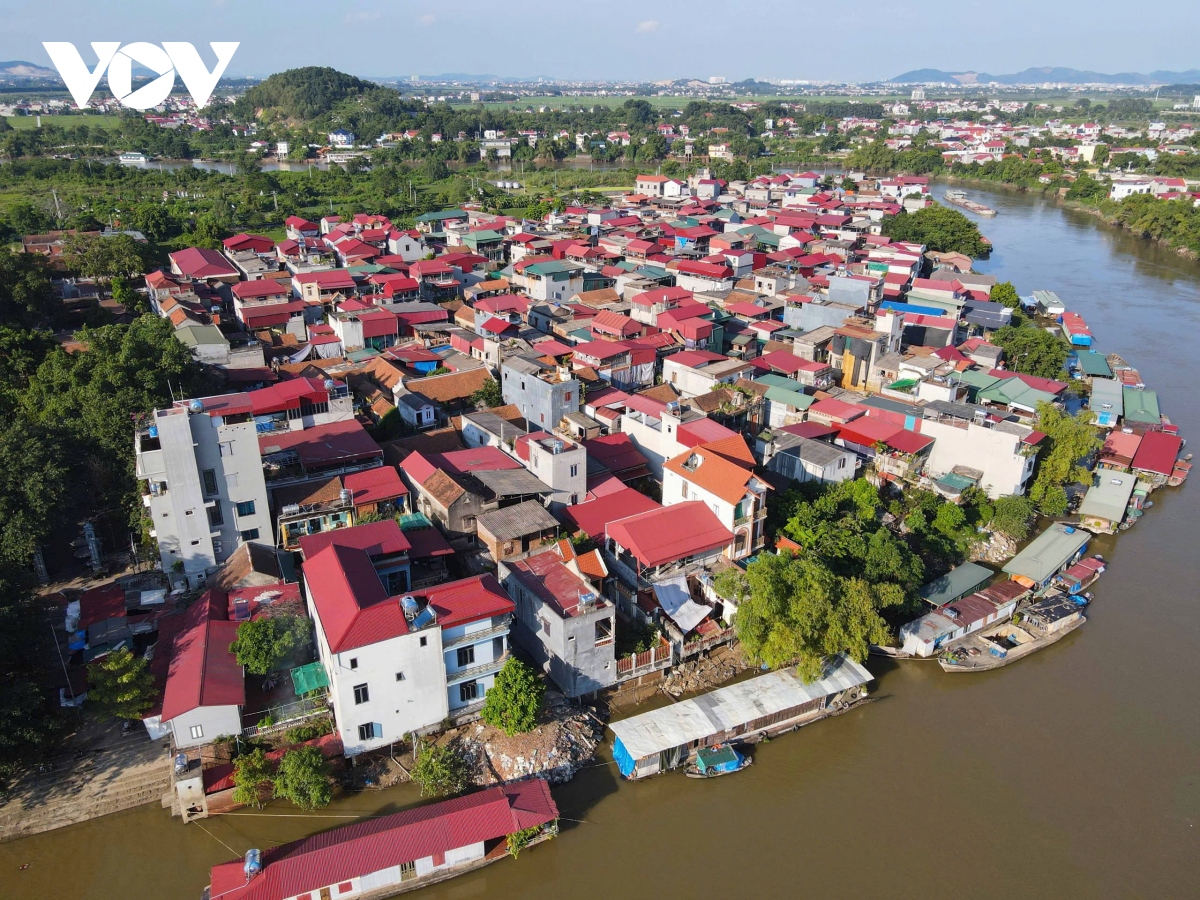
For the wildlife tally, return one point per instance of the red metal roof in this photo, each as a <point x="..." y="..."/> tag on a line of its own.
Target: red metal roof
<point x="341" y="854"/>
<point x="261" y="287"/>
<point x="1157" y="452"/>
<point x="203" y="672"/>
<point x="375" y="485"/>
<point x="375" y="539"/>
<point x="101" y="603"/>
<point x="617" y="453"/>
<point x="198" y="262"/>
<point x="594" y="516"/>
<point x="672" y="533"/>
<point x="703" y="431"/>
<point x="323" y="444"/>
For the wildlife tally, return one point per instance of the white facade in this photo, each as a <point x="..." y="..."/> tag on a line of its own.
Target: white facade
<point x="742" y="518"/>
<point x="561" y="465"/>
<point x="657" y="438"/>
<point x="205" y="489"/>
<point x="1005" y="461"/>
<point x="204" y="724"/>
<point x="406" y="246"/>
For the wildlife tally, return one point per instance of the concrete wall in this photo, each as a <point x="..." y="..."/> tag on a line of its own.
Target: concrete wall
<point x="542" y="403"/>
<point x="416" y="702"/>
<point x="995" y="453"/>
<point x="566" y="472"/>
<point x="565" y="648"/>
<point x="213" y="721"/>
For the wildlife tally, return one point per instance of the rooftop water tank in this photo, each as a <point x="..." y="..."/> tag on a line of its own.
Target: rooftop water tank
<point x="196" y="406"/>
<point x="253" y="863"/>
<point x="408" y="603"/>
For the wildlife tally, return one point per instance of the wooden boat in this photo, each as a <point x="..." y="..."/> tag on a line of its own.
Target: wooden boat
<point x="959" y="198"/>
<point x="713" y="762"/>
<point x="1043" y="622"/>
<point x="1081" y="576"/>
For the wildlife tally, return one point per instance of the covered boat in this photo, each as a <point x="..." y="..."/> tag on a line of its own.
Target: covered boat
<point x="719" y="760"/>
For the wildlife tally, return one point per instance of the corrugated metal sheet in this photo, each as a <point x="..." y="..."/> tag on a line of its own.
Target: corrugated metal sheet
<point x="726" y="708"/>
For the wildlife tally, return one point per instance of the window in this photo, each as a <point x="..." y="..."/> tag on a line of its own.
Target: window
<point x="209" y="477"/>
<point x="369" y="731"/>
<point x="574" y="471"/>
<point x="216" y="517"/>
<point x="399" y="676"/>
<point x="246" y="508"/>
<point x="568" y="396"/>
<point x="250" y="534"/>
<point x="226" y="448"/>
<point x="197" y="732"/>
<point x="842" y="462"/>
<point x="354" y="662"/>
<point x="195" y="543"/>
<point x="604" y="631"/>
<point x="361" y="694"/>
<point x="424" y="641"/>
<point x="408" y="871"/>
<point x="683" y="489"/>
<point x="468" y="691"/>
<point x="545" y="626"/>
<point x="189" y="512"/>
<point x="466" y="656"/>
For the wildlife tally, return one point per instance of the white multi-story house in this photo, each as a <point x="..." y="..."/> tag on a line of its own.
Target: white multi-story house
<point x="721" y="475"/>
<point x="557" y="462"/>
<point x="399" y="662"/>
<point x="202" y="464"/>
<point x="1004" y="453"/>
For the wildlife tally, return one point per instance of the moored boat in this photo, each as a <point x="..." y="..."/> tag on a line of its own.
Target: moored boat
<point x="1036" y="625"/>
<point x="713" y="762"/>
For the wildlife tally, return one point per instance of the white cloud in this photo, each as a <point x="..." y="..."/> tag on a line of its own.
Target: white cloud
<point x="647" y="27"/>
<point x="427" y="19"/>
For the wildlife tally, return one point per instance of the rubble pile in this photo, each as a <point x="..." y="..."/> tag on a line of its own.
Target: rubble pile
<point x="559" y="747"/>
<point x="996" y="549"/>
<point x="705" y="672"/>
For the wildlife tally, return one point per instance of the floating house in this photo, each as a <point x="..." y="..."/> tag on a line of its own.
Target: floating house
<point x="667" y="738"/>
<point x="927" y="635"/>
<point x="956" y="584"/>
<point x="392" y="854"/>
<point x="1047" y="555"/>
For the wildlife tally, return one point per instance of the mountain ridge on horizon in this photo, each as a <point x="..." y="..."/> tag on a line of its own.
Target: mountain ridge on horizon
<point x="1044" y="74"/>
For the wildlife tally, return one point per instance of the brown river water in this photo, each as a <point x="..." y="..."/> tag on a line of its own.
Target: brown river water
<point x="1075" y="773"/>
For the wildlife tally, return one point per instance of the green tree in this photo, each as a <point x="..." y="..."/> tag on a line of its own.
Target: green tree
<point x="32" y="494"/>
<point x="253" y="778"/>
<point x="103" y="257"/>
<point x="1032" y="351"/>
<point x="303" y="778"/>
<point x="1070" y="440"/>
<point x="1004" y="293"/>
<point x="489" y="395"/>
<point x="939" y="228"/>
<point x="440" y="771"/>
<point x="800" y="611"/>
<point x="514" y="701"/>
<point x="28" y="727"/>
<point x="264" y="645"/>
<point x="121" y="686"/>
<point x="1011" y="516"/>
<point x="27" y="297"/>
<point x="1087" y="188"/>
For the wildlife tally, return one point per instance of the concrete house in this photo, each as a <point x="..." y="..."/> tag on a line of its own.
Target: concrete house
<point x="562" y="620"/>
<point x="544" y="393"/>
<point x="721" y="475"/>
<point x="400" y="662"/>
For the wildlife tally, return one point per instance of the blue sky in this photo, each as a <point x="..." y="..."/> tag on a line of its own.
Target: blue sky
<point x="616" y="39"/>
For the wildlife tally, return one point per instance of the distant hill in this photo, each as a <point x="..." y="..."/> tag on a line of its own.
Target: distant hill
<point x="19" y="68"/>
<point x="302" y="93"/>
<point x="1052" y="74"/>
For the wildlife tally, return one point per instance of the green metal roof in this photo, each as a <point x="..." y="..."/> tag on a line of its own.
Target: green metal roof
<point x="956" y="583"/>
<point x="793" y="399"/>
<point x="475" y="238"/>
<point x="1141" y="406"/>
<point x="442" y="215"/>
<point x="1047" y="553"/>
<point x="414" y="521"/>
<point x="309" y="678"/>
<point x="1093" y="364"/>
<point x="903" y="384"/>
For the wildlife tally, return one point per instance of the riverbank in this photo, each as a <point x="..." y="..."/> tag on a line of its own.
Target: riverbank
<point x="1058" y="197"/>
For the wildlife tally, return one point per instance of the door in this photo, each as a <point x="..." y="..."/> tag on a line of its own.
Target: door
<point x="325" y="894"/>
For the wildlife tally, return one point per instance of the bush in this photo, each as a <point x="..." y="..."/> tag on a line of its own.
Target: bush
<point x="440" y="771"/>
<point x="253" y="778"/>
<point x="120" y="685"/>
<point x="309" y="732"/>
<point x="263" y="645"/>
<point x="515" y="700"/>
<point x="303" y="778"/>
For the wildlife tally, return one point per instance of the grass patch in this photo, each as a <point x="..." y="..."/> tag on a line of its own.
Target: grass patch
<point x="28" y="123"/>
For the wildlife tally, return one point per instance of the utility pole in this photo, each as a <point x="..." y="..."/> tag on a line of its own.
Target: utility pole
<point x="57" y="210"/>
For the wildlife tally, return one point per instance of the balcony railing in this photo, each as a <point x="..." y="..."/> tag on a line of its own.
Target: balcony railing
<point x="475" y="671"/>
<point x="473" y="637"/>
<point x="761" y="514"/>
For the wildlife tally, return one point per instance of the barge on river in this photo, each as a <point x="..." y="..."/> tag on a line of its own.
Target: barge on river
<point x="383" y="857"/>
<point x="1041" y="623"/>
<point x="766" y="705"/>
<point x="959" y="198"/>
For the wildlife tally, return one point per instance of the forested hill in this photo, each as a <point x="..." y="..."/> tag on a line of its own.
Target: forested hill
<point x="301" y="94"/>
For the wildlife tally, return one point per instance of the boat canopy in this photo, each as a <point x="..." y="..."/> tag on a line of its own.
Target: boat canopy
<point x="723" y="710"/>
